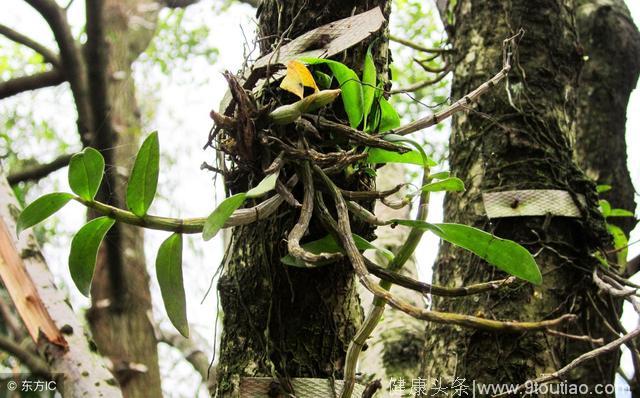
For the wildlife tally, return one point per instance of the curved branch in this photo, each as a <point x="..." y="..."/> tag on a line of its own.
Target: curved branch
<point x="32" y="82"/>
<point x="34" y="173"/>
<point x="48" y="55"/>
<point x="417" y="46"/>
<point x="71" y="60"/>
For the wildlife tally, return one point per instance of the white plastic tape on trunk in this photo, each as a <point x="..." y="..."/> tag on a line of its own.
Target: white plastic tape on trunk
<point x="258" y="387"/>
<point x="531" y="202"/>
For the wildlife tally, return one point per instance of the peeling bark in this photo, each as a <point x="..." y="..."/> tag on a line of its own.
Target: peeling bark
<point x="82" y="372"/>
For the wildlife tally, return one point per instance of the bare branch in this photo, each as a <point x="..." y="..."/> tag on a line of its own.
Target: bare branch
<point x="420" y="85"/>
<point x="418" y="47"/>
<point x="32" y="82"/>
<point x="71" y="60"/>
<point x="191" y="353"/>
<point x="48" y="55"/>
<point x="34" y="173"/>
<point x="426" y="289"/>
<point x="29" y="359"/>
<point x="178" y="3"/>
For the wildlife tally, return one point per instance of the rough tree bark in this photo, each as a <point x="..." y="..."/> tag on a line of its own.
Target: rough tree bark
<point x="287" y="322"/>
<point x="520" y="141"/>
<point x="120" y="316"/>
<point x="611" y="42"/>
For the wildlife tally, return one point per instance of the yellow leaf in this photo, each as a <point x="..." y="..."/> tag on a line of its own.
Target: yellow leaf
<point x="298" y="77"/>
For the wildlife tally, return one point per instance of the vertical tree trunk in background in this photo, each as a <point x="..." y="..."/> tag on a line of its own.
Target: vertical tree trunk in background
<point x="123" y="329"/>
<point x="289" y="322"/>
<point x="611" y="42"/>
<point x="395" y="346"/>
<point x="519" y="142"/>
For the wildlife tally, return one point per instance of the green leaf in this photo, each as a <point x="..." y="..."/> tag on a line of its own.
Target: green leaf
<point x="41" y="209"/>
<point x="85" y="173"/>
<point x="351" y="86"/>
<point x="603" y="188"/>
<point x="267" y="184"/>
<point x="620" y="243"/>
<point x="440" y="176"/>
<point x="505" y="254"/>
<point x="378" y="155"/>
<point x="451" y="184"/>
<point x="620" y="213"/>
<point x="143" y="180"/>
<point x="84" y="251"/>
<point x="216" y="220"/>
<point x="385" y="118"/>
<point x="605" y="208"/>
<point x="368" y="84"/>
<point x="169" y="272"/>
<point x="328" y="244"/>
<point x="323" y="80"/>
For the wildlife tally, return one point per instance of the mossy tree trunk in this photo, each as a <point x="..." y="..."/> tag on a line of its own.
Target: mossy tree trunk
<point x="288" y="322"/>
<point x="520" y="140"/>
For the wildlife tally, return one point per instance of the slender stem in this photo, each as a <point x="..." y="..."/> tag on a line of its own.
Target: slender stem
<point x="184" y="225"/>
<point x="375" y="314"/>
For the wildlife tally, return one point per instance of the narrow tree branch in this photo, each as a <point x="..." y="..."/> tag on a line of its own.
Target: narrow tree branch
<point x="34" y="173"/>
<point x="426" y="289"/>
<point x="72" y="63"/>
<point x="420" y="85"/>
<point x="47" y="54"/>
<point x="29" y="359"/>
<point x="417" y="46"/>
<point x="191" y="353"/>
<point x="32" y="82"/>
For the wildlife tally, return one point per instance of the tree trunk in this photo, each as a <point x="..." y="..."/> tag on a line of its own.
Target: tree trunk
<point x="287" y="322"/>
<point x="611" y="42"/>
<point x="520" y="141"/>
<point x="120" y="316"/>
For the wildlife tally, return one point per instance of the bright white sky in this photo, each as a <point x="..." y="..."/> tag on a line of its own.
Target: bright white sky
<point x="182" y="121"/>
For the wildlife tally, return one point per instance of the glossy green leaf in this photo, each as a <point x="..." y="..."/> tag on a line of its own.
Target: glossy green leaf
<point x="620" y="243"/>
<point x="505" y="254"/>
<point x="323" y="80"/>
<point x="440" y="176"/>
<point x="389" y="119"/>
<point x="267" y="184"/>
<point x="451" y="184"/>
<point x="86" y="169"/>
<point x="603" y="188"/>
<point x="426" y="160"/>
<point x="605" y="208"/>
<point x="169" y="272"/>
<point x="368" y="84"/>
<point x="84" y="251"/>
<point x="328" y="244"/>
<point x="41" y="209"/>
<point x="621" y="213"/>
<point x="216" y="220"/>
<point x="378" y="155"/>
<point x="143" y="180"/>
<point x="351" y="86"/>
